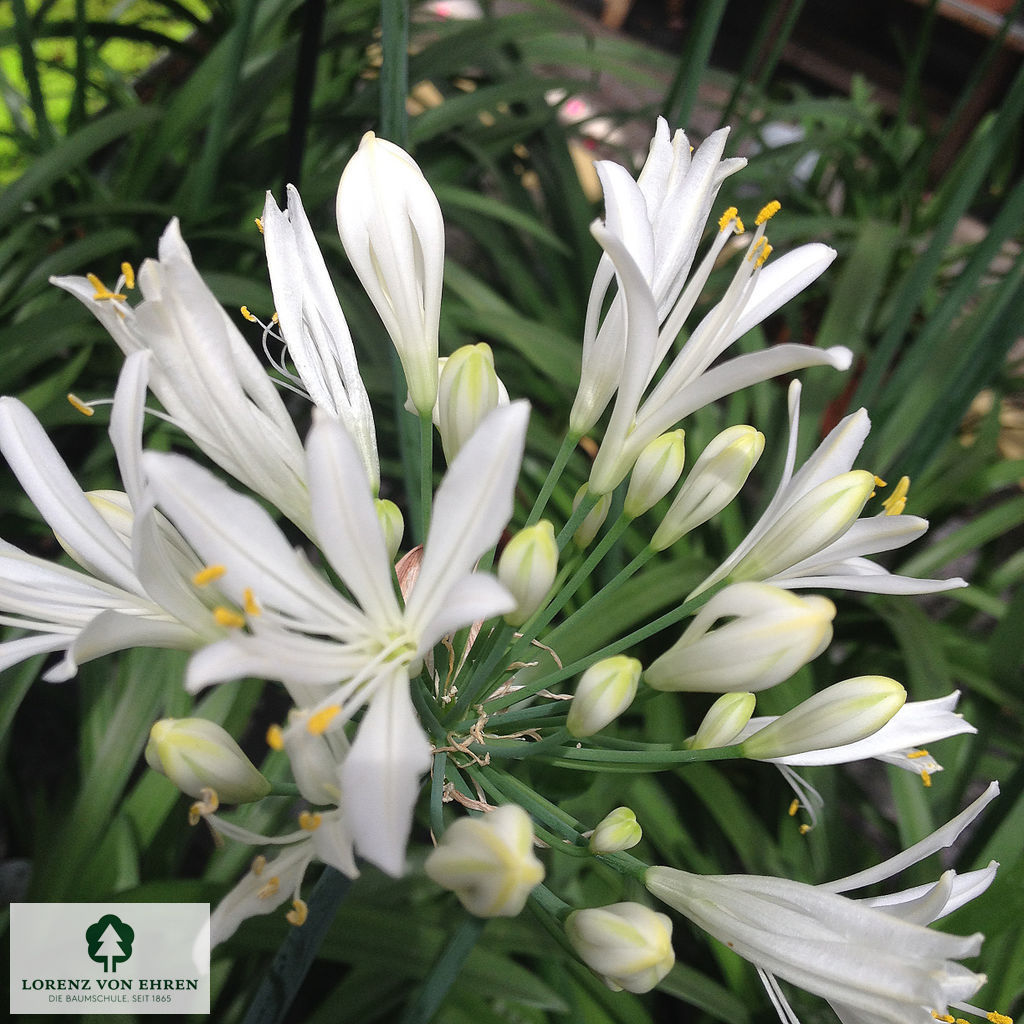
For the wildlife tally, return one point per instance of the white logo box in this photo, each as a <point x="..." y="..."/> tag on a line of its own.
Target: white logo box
<point x="110" y="958"/>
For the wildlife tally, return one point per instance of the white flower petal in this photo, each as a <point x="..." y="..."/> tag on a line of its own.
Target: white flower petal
<point x="345" y="520"/>
<point x="380" y="777"/>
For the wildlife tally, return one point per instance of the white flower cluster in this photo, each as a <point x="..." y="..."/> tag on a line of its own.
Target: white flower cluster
<point x="181" y="559"/>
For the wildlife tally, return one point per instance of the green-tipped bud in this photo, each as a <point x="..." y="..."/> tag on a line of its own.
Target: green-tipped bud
<point x="765" y="635"/>
<point x="604" y="691"/>
<point x="656" y="472"/>
<point x="843" y="713"/>
<point x="818" y="518"/>
<point x="627" y="944"/>
<point x="488" y="862"/>
<point x="594" y="520"/>
<point x="527" y="568"/>
<point x="467" y="391"/>
<point x="716" y="478"/>
<point x="724" y="721"/>
<point x="617" y="831"/>
<point x="196" y="754"/>
<point x="392" y="525"/>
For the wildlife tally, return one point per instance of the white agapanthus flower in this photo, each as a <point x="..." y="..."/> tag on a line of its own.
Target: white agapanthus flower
<point x="338" y="655"/>
<point x="810" y="534"/>
<point x="137" y="585"/>
<point x="650" y="236"/>
<point x="203" y="372"/>
<point x="313" y="326"/>
<point x="898" y="742"/>
<point x="873" y="960"/>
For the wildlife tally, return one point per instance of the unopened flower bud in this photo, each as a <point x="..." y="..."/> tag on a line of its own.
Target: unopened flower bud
<point x="627" y="944"/>
<point x="842" y="713"/>
<point x="724" y="721"/>
<point x="467" y="391"/>
<point x="392" y="525"/>
<point x="196" y="754"/>
<point x="594" y="519"/>
<point x="604" y="691"/>
<point x="655" y="473"/>
<point x="488" y="862"/>
<point x="814" y="521"/>
<point x="527" y="568"/>
<point x="766" y="635"/>
<point x="393" y="233"/>
<point x="716" y="478"/>
<point x="617" y="831"/>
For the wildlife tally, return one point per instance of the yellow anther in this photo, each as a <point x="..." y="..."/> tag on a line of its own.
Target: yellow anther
<point x="309" y="821"/>
<point x="85" y="410"/>
<point x="270" y="889"/>
<point x="258" y="864"/>
<point x="259" y="225"/>
<point x="275" y="319"/>
<point x="998" y="1018"/>
<point x="129" y="275"/>
<point x="917" y="753"/>
<point x="793" y="808"/>
<point x="102" y="291"/>
<point x="926" y="779"/>
<point x="727" y="218"/>
<point x="248" y="316"/>
<point x="249" y="602"/>
<point x="207" y="803"/>
<point x="879" y="482"/>
<point x="208" y="575"/>
<point x="757" y="248"/>
<point x="226" y="617"/>
<point x="319" y="721"/>
<point x="768" y="211"/>
<point x="766" y="251"/>
<point x="275" y="737"/>
<point x="804" y="829"/>
<point x="897" y="501"/>
<point x="944" y="1017"/>
<point x="298" y="914"/>
<point x="960" y="1020"/>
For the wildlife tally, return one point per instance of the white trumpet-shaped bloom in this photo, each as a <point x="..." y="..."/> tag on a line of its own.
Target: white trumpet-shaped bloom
<point x="391" y="226"/>
<point x="873" y="960"/>
<point x="204" y="373"/>
<point x="650" y="237"/>
<point x="313" y="326"/>
<point x="810" y="534"/>
<point x="338" y="655"/>
<point x="135" y="587"/>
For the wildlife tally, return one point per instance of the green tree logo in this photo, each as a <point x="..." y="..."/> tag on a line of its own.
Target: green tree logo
<point x="110" y="942"/>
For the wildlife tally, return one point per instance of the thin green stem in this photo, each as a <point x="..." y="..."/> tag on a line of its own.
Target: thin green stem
<point x="298" y="951"/>
<point x="394" y="72"/>
<point x="568" y="446"/>
<point x="585" y="507"/>
<point x="444" y="972"/>
<point x="426" y="473"/>
<point x="437" y="772"/>
<point x="490" y="656"/>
